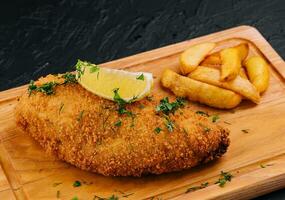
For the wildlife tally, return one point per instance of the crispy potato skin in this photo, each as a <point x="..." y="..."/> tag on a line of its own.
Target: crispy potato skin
<point x="94" y="143"/>
<point x="191" y="57"/>
<point x="199" y="91"/>
<point x="242" y="73"/>
<point x="239" y="85"/>
<point x="231" y="64"/>
<point x="258" y="72"/>
<point x="243" y="50"/>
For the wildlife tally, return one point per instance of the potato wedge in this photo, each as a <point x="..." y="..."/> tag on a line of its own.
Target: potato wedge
<point x="258" y="72"/>
<point x="214" y="59"/>
<point x="198" y="91"/>
<point x="243" y="50"/>
<point x="192" y="57"/>
<point x="238" y="85"/>
<point x="242" y="73"/>
<point x="231" y="64"/>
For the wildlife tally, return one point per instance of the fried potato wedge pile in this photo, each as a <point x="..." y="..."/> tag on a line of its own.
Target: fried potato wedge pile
<point x="220" y="79"/>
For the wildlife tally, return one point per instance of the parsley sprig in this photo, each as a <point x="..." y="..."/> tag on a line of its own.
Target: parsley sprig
<point x="203" y="185"/>
<point x="165" y="107"/>
<point x="140" y="77"/>
<point x="224" y="177"/>
<point x="122" y="105"/>
<point x="46" y="88"/>
<point x="169" y="107"/>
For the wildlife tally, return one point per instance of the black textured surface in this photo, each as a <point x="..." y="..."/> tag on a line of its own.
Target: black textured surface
<point x="39" y="37"/>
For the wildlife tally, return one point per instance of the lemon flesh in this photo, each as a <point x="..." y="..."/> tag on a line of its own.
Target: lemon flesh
<point x="103" y="81"/>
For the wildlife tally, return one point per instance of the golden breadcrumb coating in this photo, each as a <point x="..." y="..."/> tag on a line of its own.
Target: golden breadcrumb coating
<point x="82" y="129"/>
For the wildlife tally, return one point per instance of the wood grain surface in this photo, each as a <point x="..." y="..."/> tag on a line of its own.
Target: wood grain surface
<point x="29" y="173"/>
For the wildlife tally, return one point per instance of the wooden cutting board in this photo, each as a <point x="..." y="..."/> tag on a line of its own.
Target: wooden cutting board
<point x="256" y="158"/>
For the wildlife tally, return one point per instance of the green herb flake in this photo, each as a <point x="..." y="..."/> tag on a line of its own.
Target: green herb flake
<point x="77" y="184"/>
<point x="167" y="107"/>
<point x="61" y="107"/>
<point x="262" y="166"/>
<point x="118" y="123"/>
<point x="205" y="128"/>
<point x="56" y="184"/>
<point x="199" y="112"/>
<point x="69" y="78"/>
<point x="75" y="198"/>
<point x="113" y="197"/>
<point x="140" y="77"/>
<point x="127" y="195"/>
<point x="215" y="118"/>
<point x="46" y="88"/>
<point x="149" y="98"/>
<point x="31" y="87"/>
<point x="169" y="124"/>
<point x="245" y="130"/>
<point x="224" y="178"/>
<point x="121" y="103"/>
<point x="79" y="118"/>
<point x="58" y="194"/>
<point x="80" y="68"/>
<point x="94" y="68"/>
<point x="191" y="189"/>
<point x="157" y="130"/>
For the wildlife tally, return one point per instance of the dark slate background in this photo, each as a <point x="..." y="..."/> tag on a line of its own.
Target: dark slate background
<point x="38" y="37"/>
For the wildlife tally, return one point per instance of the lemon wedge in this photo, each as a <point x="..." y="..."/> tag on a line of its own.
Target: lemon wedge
<point x="105" y="82"/>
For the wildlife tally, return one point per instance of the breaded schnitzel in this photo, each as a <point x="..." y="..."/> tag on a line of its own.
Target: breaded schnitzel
<point x="87" y="131"/>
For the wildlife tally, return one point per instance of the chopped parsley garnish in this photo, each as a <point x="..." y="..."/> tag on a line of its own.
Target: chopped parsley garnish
<point x="168" y="123"/>
<point x="157" y="130"/>
<point x="205" y="128"/>
<point x="80" y="115"/>
<point x="80" y="68"/>
<point x="226" y="122"/>
<point x="127" y="195"/>
<point x="94" y="68"/>
<point x="58" y="194"/>
<point x="118" y="123"/>
<point x="122" y="103"/>
<point x="76" y="184"/>
<point x="61" y="107"/>
<point x="56" y="184"/>
<point x="191" y="189"/>
<point x="267" y="165"/>
<point x="215" y="118"/>
<point x="46" y="88"/>
<point x="140" y="77"/>
<point x="224" y="177"/>
<point x="149" y="98"/>
<point x="245" y="130"/>
<point x="113" y="197"/>
<point x="31" y="87"/>
<point x="69" y="78"/>
<point x="199" y="112"/>
<point x="166" y="107"/>
<point x="75" y="198"/>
